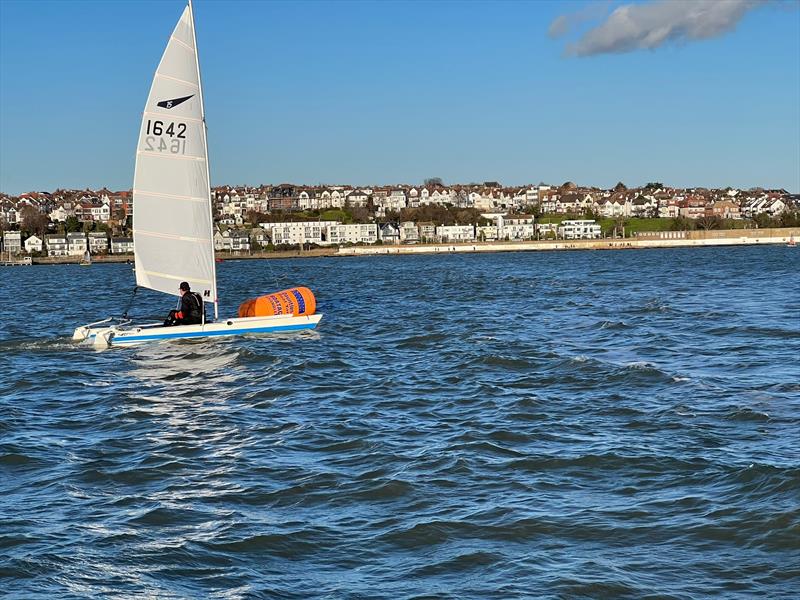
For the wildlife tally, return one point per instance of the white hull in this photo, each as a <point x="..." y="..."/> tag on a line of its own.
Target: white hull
<point x="124" y="334"/>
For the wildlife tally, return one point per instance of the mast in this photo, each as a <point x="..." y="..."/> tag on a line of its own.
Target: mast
<point x="208" y="172"/>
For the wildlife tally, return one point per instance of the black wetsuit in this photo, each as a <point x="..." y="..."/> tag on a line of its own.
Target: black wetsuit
<point x="191" y="312"/>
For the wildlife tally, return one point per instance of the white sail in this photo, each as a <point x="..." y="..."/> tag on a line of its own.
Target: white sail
<point x="172" y="224"/>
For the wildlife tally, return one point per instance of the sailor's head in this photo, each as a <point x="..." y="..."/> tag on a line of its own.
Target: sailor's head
<point x="184" y="287"/>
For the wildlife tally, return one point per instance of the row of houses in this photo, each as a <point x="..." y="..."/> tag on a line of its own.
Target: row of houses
<point x="86" y="206"/>
<point x="233" y="205"/>
<point x="69" y="244"/>
<point x="515" y="230"/>
<point x="327" y="233"/>
<point x="321" y="233"/>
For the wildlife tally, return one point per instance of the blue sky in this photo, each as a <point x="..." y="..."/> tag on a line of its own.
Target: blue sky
<point x="389" y="92"/>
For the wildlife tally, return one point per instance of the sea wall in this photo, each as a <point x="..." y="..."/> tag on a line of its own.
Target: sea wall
<point x="223" y="256"/>
<point x="728" y="237"/>
<point x="74" y="260"/>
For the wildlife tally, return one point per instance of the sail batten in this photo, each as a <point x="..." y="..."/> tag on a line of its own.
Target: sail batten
<point x="167" y="276"/>
<point x="189" y="83"/>
<point x="168" y="236"/>
<point x="147" y="112"/>
<point x="151" y="153"/>
<point x="182" y="43"/>
<point x="175" y="196"/>
<point x="172" y="222"/>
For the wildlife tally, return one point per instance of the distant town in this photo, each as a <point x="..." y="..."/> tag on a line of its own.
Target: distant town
<point x="286" y="216"/>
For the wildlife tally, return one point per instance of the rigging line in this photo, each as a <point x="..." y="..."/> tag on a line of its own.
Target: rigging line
<point x="279" y="281"/>
<point x="130" y="302"/>
<point x="272" y="272"/>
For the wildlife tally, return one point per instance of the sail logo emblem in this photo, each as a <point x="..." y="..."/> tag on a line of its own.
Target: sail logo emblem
<point x="174" y="102"/>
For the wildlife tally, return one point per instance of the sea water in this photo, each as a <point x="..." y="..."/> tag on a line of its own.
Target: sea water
<point x="548" y="425"/>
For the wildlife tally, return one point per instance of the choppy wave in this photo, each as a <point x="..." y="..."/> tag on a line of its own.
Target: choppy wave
<point x="465" y="426"/>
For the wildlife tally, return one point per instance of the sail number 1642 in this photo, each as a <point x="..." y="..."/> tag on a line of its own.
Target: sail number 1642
<point x="157" y="128"/>
<point x="156" y="143"/>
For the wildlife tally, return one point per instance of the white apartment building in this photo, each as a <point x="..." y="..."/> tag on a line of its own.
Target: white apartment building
<point x="121" y="245"/>
<point x="301" y="232"/>
<point x="98" y="242"/>
<point x="427" y="231"/>
<point x="76" y="244"/>
<point x="356" y="233"/>
<point x="579" y="230"/>
<point x="516" y="231"/>
<point x="456" y="233"/>
<point x="12" y="242"/>
<point x="56" y="245"/>
<point x="409" y="234"/>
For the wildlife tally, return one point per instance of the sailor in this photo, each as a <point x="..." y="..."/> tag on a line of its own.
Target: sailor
<point x="191" y="311"/>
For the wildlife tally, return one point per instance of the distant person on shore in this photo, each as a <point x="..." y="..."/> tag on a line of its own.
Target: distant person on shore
<point x="191" y="311"/>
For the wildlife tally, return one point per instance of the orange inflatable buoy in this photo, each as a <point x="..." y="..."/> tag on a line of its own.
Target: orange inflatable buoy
<point x="296" y="301"/>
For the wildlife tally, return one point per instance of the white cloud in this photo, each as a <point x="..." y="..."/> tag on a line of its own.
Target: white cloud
<point x="649" y="25"/>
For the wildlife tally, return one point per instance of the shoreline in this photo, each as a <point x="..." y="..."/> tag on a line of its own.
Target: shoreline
<point x="690" y="239"/>
<point x="123" y="258"/>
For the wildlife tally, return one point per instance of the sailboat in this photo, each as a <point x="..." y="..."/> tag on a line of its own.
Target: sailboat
<point x="172" y="220"/>
<point x="791" y="243"/>
<point x="87" y="259"/>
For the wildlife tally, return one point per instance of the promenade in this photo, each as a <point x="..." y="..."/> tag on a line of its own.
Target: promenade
<point x="223" y="256"/>
<point x="726" y="237"/>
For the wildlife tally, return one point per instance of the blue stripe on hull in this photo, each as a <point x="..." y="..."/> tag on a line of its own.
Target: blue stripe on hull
<point x="176" y="336"/>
